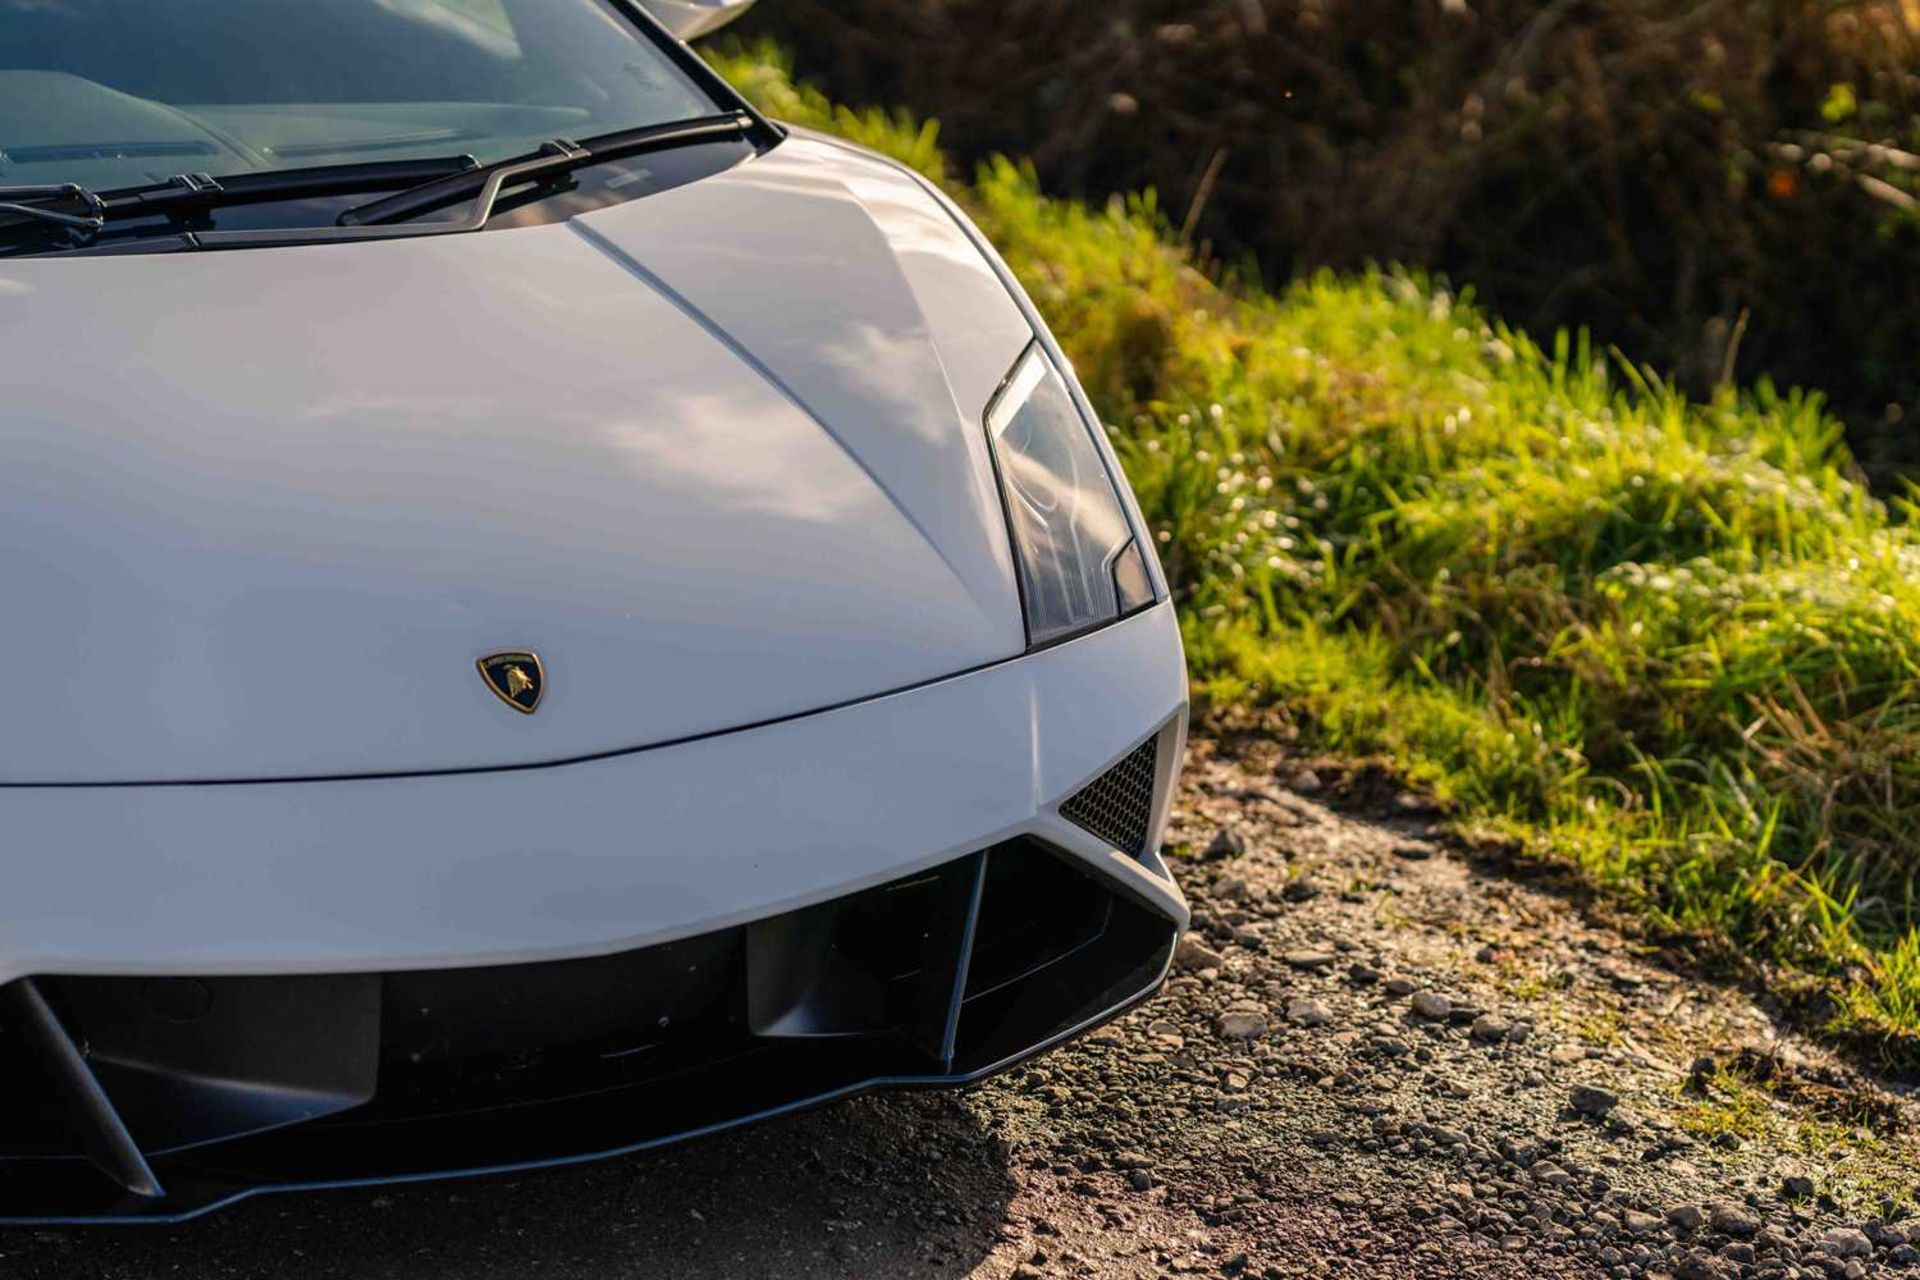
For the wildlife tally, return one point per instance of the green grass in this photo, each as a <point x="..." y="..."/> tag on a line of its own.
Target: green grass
<point x="1675" y="644"/>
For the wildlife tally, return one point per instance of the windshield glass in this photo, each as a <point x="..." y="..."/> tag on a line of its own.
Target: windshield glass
<point x="118" y="93"/>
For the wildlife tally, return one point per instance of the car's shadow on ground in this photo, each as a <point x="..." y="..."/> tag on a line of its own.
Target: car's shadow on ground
<point x="894" y="1187"/>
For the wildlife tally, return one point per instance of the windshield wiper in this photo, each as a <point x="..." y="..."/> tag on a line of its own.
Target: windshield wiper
<point x="481" y="187"/>
<point x="427" y="185"/>
<point x="485" y="184"/>
<point x="193" y="192"/>
<point x="186" y="191"/>
<point x="22" y="203"/>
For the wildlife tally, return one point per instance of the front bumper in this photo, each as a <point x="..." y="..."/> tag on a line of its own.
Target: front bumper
<point x="231" y="988"/>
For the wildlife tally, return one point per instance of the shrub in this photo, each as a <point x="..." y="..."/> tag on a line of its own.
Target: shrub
<point x="1715" y="184"/>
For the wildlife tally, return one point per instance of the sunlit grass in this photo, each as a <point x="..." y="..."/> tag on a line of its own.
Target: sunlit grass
<point x="1675" y="644"/>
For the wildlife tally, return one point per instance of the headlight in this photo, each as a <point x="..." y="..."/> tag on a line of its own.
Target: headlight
<point x="1079" y="565"/>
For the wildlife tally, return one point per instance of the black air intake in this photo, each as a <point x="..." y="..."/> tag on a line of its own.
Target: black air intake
<point x="153" y="1098"/>
<point x="1117" y="806"/>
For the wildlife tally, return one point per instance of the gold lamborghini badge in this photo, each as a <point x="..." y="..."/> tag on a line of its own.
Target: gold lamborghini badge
<point x="517" y="679"/>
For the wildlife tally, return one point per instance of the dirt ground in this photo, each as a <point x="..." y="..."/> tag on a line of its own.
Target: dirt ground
<point x="1380" y="1056"/>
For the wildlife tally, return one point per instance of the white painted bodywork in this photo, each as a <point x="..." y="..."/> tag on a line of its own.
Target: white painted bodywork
<point x="691" y="19"/>
<point x="591" y="857"/>
<point x="262" y="509"/>
<point x="716" y="454"/>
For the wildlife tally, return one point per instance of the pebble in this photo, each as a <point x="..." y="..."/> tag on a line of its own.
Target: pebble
<point x="1241" y="1024"/>
<point x="1314" y="961"/>
<point x="1166" y="1034"/>
<point x="1226" y="843"/>
<point x="1193" y="953"/>
<point x="1847" y="1242"/>
<point x="1431" y="1005"/>
<point x="1301" y="890"/>
<point x="1399" y="987"/>
<point x="1797" y="1187"/>
<point x="1488" y="1029"/>
<point x="1412" y="852"/>
<point x="1309" y="1013"/>
<point x="1687" y="1217"/>
<point x="1734" y="1221"/>
<point x="1592" y="1100"/>
<point x="1638" y="1223"/>
<point x="1306" y="782"/>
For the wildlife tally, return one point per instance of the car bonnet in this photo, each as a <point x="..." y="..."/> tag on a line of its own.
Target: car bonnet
<point x="713" y="455"/>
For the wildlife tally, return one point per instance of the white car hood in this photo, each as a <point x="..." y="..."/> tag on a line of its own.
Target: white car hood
<point x="714" y="455"/>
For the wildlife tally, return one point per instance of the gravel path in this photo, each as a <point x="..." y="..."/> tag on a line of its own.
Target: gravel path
<point x="1380" y="1056"/>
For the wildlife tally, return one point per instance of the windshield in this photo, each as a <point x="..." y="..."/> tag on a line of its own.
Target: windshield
<point x="119" y="93"/>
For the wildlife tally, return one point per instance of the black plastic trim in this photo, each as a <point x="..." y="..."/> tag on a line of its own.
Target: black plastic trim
<point x="529" y="1066"/>
<point x="874" y="1085"/>
<point x="482" y="186"/>
<point x="1091" y="807"/>
<point x="102" y="1135"/>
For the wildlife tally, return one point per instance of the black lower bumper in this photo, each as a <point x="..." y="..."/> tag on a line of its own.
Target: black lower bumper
<point x="158" y="1098"/>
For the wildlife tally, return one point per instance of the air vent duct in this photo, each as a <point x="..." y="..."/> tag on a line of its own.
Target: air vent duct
<point x="1117" y="806"/>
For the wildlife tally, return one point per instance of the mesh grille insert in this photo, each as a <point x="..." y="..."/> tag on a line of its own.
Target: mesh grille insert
<point x="1117" y="806"/>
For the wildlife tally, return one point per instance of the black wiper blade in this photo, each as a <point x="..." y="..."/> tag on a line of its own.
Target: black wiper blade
<point x="186" y="191"/>
<point x="434" y="184"/>
<point x="193" y="192"/>
<point x="484" y="185"/>
<point x="31" y="204"/>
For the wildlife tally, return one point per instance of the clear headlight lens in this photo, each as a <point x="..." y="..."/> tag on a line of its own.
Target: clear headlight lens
<point x="1079" y="565"/>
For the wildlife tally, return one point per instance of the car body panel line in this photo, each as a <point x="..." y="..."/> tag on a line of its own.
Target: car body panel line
<point x="719" y="333"/>
<point x="1041" y="332"/>
<point x="527" y="766"/>
<point x="461" y="870"/>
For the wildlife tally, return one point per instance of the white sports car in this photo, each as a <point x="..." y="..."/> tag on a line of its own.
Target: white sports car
<point x="544" y="613"/>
